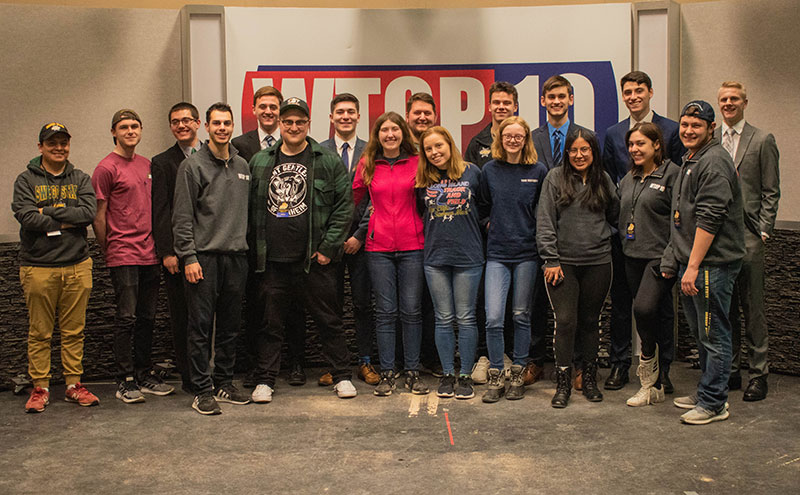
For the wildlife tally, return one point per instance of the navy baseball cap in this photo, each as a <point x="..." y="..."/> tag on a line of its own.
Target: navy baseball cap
<point x="294" y="103"/>
<point x="700" y="109"/>
<point x="51" y="129"/>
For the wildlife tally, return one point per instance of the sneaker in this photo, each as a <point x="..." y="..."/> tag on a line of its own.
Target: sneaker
<point x="688" y="402"/>
<point x="414" y="383"/>
<point x="385" y="385"/>
<point x="205" y="404"/>
<point x="434" y="369"/>
<point x="516" y="388"/>
<point x="78" y="394"/>
<point x="232" y="395"/>
<point x="38" y="400"/>
<point x="262" y="394"/>
<point x="646" y="396"/>
<point x="464" y="389"/>
<point x="446" y="386"/>
<point x="480" y="372"/>
<point x="128" y="391"/>
<point x="151" y="383"/>
<point x="497" y="386"/>
<point x="702" y="416"/>
<point x="367" y="373"/>
<point x="345" y="389"/>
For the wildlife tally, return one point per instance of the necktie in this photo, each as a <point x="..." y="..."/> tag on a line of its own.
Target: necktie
<point x="727" y="141"/>
<point x="557" y="148"/>
<point x="346" y="156"/>
<point x="269" y="140"/>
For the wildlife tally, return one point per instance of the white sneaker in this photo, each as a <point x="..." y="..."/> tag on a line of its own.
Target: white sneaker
<point x="480" y="372"/>
<point x="262" y="394"/>
<point x="345" y="389"/>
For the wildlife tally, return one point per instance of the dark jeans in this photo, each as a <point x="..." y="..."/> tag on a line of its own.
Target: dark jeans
<point x="577" y="302"/>
<point x="653" y="308"/>
<point x="178" y="317"/>
<point x="361" y="292"/>
<point x="707" y="317"/>
<point x="539" y="326"/>
<point x="136" y="296"/>
<point x="283" y="283"/>
<point x="215" y="307"/>
<point x="621" y="304"/>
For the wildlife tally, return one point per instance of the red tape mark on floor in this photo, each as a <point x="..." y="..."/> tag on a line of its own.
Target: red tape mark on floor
<point x="449" y="431"/>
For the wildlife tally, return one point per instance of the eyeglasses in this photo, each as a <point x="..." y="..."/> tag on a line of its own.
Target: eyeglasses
<point x="184" y="121"/>
<point x="516" y="138"/>
<point x="292" y="123"/>
<point x="583" y="151"/>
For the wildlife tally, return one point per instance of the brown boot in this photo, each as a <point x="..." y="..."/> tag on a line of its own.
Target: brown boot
<point x="532" y="373"/>
<point x="367" y="373"/>
<point x="578" y="382"/>
<point x="325" y="380"/>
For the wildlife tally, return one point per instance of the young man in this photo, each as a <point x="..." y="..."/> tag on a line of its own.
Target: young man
<point x="123" y="228"/>
<point x="755" y="156"/>
<point x="54" y="202"/>
<point x="301" y="195"/>
<point x="266" y="102"/>
<point x="184" y="120"/>
<point x="209" y="224"/>
<point x="503" y="103"/>
<point x="705" y="250"/>
<point x="637" y="90"/>
<point x="344" y="117"/>
<point x="420" y="113"/>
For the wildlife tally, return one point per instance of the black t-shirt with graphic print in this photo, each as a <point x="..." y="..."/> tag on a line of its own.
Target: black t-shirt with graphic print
<point x="287" y="207"/>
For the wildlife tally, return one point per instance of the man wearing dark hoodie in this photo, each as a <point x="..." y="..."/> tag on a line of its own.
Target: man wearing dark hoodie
<point x="209" y="227"/>
<point x="705" y="250"/>
<point x="54" y="202"/>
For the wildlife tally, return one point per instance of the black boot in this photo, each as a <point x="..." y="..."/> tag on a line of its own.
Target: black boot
<point x="590" y="389"/>
<point x="563" y="387"/>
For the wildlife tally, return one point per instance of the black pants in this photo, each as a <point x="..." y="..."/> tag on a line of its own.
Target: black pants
<point x="361" y="292"/>
<point x="136" y="296"/>
<point x="577" y="302"/>
<point x="178" y="317"/>
<point x="216" y="298"/>
<point x="539" y="330"/>
<point x="653" y="308"/>
<point x="280" y="285"/>
<point x="621" y="303"/>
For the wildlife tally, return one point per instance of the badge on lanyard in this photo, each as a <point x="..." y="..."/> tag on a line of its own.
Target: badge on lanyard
<point x="676" y="219"/>
<point x="631" y="233"/>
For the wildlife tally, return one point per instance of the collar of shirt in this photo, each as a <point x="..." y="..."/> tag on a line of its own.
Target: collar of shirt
<point x="647" y="118"/>
<point x="187" y="150"/>
<point x="564" y="128"/>
<point x="262" y="134"/>
<point x="339" y="142"/>
<point x="737" y="127"/>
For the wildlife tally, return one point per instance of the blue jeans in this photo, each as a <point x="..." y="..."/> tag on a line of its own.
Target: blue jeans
<point x="455" y="292"/>
<point x="519" y="277"/>
<point x="707" y="317"/>
<point x="397" y="279"/>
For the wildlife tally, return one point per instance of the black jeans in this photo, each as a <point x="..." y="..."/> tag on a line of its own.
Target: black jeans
<point x="136" y="296"/>
<point x="539" y="330"/>
<point x="361" y="292"/>
<point x="282" y="283"/>
<point x="178" y="317"/>
<point x="621" y="304"/>
<point x="577" y="302"/>
<point x="653" y="308"/>
<point x="218" y="295"/>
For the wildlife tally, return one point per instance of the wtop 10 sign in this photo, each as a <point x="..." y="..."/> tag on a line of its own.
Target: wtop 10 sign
<point x="460" y="92"/>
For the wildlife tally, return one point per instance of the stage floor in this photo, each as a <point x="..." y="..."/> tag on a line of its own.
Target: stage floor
<point x="309" y="441"/>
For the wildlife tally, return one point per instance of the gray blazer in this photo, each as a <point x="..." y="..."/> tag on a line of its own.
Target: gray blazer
<point x="757" y="163"/>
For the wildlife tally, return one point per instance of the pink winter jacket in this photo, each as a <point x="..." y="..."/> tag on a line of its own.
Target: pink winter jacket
<point x="395" y="224"/>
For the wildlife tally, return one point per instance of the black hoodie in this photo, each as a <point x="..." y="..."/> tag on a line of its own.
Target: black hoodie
<point x="67" y="198"/>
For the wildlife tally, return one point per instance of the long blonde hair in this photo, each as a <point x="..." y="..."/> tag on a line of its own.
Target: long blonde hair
<point x="529" y="156"/>
<point x="427" y="173"/>
<point x="374" y="145"/>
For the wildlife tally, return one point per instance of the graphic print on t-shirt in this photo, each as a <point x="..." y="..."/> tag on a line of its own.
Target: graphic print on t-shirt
<point x="287" y="190"/>
<point x="448" y="199"/>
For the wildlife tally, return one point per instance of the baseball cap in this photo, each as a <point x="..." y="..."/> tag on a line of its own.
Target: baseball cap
<point x="51" y="129"/>
<point x="294" y="103"/>
<point x="700" y="109"/>
<point x="123" y="114"/>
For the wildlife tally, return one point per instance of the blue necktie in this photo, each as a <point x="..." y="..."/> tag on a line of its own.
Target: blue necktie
<point x="346" y="156"/>
<point x="557" y="148"/>
<point x="270" y="141"/>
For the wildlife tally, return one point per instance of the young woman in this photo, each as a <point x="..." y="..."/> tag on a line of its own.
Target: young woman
<point x="387" y="171"/>
<point x="644" y="224"/>
<point x="510" y="189"/>
<point x="448" y="192"/>
<point x="578" y="207"/>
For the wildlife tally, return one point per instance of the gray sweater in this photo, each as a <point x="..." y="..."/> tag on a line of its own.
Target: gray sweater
<point x="707" y="195"/>
<point x="210" y="206"/>
<point x="573" y="234"/>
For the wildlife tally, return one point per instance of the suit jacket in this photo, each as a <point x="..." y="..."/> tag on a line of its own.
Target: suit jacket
<point x="757" y="163"/>
<point x="615" y="151"/>
<point x="357" y="229"/>
<point x="541" y="141"/>
<point x="247" y="144"/>
<point x="164" y="169"/>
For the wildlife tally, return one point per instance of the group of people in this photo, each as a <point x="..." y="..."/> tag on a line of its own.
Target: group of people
<point x="526" y="219"/>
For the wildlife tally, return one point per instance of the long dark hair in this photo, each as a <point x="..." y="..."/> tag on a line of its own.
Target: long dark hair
<point x="596" y="195"/>
<point x="653" y="133"/>
<point x="374" y="146"/>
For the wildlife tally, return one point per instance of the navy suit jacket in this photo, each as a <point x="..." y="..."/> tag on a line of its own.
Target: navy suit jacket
<point x="164" y="169"/>
<point x="247" y="144"/>
<point x="615" y="151"/>
<point x="541" y="141"/>
<point x="357" y="228"/>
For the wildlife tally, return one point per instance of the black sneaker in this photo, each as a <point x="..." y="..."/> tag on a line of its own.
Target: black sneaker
<point x="415" y="384"/>
<point x="128" y="391"/>
<point x="151" y="383"/>
<point x="464" y="389"/>
<point x="230" y="394"/>
<point x="447" y="386"/>
<point x="205" y="404"/>
<point x="386" y="385"/>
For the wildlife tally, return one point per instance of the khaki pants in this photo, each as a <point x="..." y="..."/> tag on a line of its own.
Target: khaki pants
<point x="67" y="290"/>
